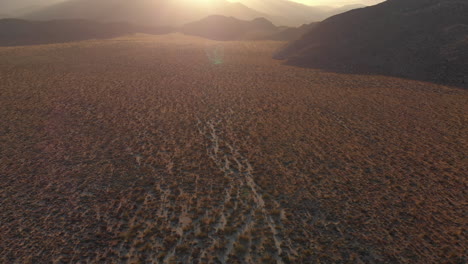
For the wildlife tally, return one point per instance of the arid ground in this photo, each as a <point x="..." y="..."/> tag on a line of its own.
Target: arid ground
<point x="175" y="149"/>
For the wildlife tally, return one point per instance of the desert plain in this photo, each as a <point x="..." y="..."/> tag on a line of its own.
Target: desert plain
<point x="177" y="149"/>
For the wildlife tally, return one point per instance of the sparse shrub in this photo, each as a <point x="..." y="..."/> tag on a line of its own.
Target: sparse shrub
<point x="239" y="249"/>
<point x="201" y="235"/>
<point x="244" y="239"/>
<point x="182" y="249"/>
<point x="276" y="213"/>
<point x="229" y="230"/>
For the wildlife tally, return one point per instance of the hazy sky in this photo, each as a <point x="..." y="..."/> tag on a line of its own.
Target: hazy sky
<point x="13" y="5"/>
<point x="7" y="6"/>
<point x="339" y="2"/>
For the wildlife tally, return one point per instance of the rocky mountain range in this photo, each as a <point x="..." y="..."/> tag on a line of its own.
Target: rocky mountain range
<point x="179" y="12"/>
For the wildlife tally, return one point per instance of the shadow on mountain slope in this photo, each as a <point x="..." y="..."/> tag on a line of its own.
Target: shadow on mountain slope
<point x="17" y="32"/>
<point x="422" y="40"/>
<point x="229" y="28"/>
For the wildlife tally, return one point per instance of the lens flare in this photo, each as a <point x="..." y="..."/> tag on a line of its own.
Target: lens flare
<point x="215" y="54"/>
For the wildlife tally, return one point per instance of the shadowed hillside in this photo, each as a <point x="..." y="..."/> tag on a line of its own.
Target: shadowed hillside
<point x="293" y="33"/>
<point x="229" y="28"/>
<point x="17" y="32"/>
<point x="424" y="40"/>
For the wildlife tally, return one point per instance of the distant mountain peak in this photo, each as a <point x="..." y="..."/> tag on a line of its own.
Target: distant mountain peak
<point x="263" y="22"/>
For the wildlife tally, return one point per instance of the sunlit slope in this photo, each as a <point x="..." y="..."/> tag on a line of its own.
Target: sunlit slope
<point x="296" y="14"/>
<point x="177" y="149"/>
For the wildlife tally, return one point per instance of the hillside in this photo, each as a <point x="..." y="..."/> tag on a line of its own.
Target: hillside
<point x="292" y="33"/>
<point x="229" y="28"/>
<point x="424" y="39"/>
<point x="17" y="32"/>
<point x="144" y="12"/>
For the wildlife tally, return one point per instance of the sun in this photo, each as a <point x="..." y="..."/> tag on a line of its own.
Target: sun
<point x="199" y="2"/>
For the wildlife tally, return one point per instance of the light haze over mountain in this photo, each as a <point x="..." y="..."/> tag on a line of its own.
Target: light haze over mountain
<point x="170" y="13"/>
<point x="19" y="7"/>
<point x="144" y="12"/>
<point x="338" y="2"/>
<point x="293" y="13"/>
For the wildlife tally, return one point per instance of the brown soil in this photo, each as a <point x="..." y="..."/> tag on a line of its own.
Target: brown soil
<point x="142" y="150"/>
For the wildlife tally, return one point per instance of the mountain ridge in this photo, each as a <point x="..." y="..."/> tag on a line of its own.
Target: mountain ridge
<point x="180" y="12"/>
<point x="142" y="12"/>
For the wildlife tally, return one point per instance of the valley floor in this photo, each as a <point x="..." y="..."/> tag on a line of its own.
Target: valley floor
<point x="173" y="149"/>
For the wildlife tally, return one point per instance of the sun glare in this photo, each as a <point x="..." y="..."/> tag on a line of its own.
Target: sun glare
<point x="198" y="2"/>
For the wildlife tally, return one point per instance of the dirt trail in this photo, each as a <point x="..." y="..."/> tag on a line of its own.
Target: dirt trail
<point x="239" y="171"/>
